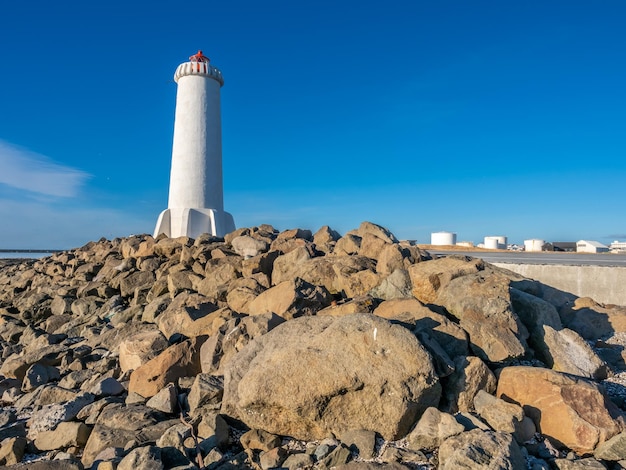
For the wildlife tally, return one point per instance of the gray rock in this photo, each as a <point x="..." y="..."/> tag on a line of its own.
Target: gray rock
<point x="613" y="449"/>
<point x="142" y="458"/>
<point x="166" y="400"/>
<point x="581" y="464"/>
<point x="206" y="390"/>
<point x="432" y="429"/>
<point x="478" y="449"/>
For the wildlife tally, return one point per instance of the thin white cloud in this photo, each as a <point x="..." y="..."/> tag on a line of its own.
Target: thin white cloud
<point x="22" y="169"/>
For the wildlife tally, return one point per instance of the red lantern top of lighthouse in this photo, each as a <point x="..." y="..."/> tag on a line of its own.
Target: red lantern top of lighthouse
<point x="199" y="57"/>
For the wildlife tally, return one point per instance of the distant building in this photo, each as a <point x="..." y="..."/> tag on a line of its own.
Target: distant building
<point x="618" y="247"/>
<point x="564" y="246"/>
<point x="590" y="246"/>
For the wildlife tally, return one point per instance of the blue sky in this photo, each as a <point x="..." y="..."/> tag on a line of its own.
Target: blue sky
<point x="478" y="117"/>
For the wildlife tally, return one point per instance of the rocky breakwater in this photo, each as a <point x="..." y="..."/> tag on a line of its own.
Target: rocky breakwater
<point x="300" y="350"/>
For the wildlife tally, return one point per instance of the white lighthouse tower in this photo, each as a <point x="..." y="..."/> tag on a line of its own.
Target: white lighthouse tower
<point x="196" y="200"/>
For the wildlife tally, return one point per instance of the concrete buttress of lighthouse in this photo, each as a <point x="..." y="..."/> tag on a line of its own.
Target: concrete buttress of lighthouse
<point x="196" y="200"/>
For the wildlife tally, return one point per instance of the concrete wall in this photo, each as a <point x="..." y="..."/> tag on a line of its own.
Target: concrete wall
<point x="604" y="284"/>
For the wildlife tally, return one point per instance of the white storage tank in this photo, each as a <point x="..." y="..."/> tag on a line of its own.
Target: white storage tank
<point x="534" y="244"/>
<point x="495" y="242"/>
<point x="491" y="243"/>
<point x="443" y="238"/>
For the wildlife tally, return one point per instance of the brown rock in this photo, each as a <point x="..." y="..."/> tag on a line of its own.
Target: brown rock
<point x="184" y="310"/>
<point x="449" y="335"/>
<point x="67" y="434"/>
<point x="337" y="374"/>
<point x="432" y="429"/>
<point x="482" y="303"/>
<point x="469" y="377"/>
<point x="179" y="360"/>
<point x="12" y="450"/>
<point x="571" y="411"/>
<point x="140" y="348"/>
<point x="291" y="299"/>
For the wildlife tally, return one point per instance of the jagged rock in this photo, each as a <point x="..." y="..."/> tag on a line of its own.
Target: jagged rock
<point x="272" y="458"/>
<point x="232" y="337"/>
<point x="503" y="416"/>
<point x="361" y="442"/>
<point x="469" y="377"/>
<point x="478" y="449"/>
<point x="368" y="374"/>
<point x="206" y="390"/>
<point x="613" y="449"/>
<point x="107" y="386"/>
<point x="142" y="458"/>
<point x="65" y="435"/>
<point x="365" y="304"/>
<point x="140" y="348"/>
<point x="49" y="416"/>
<point x="571" y="411"/>
<point x="482" y="303"/>
<point x="290" y="299"/>
<point x="566" y="351"/>
<point x="12" y="450"/>
<point x="136" y="280"/>
<point x="296" y="461"/>
<point x="449" y="335"/>
<point x="258" y="439"/>
<point x="166" y="400"/>
<point x="347" y="245"/>
<point x="325" y="239"/>
<point x="241" y="292"/>
<point x="215" y="286"/>
<point x="15" y="366"/>
<point x="429" y="278"/>
<point x="592" y="320"/>
<point x="248" y="247"/>
<point x="432" y="429"/>
<point x="39" y="374"/>
<point x="183" y="312"/>
<point x="179" y="360"/>
<point x="396" y="285"/>
<point x="581" y="464"/>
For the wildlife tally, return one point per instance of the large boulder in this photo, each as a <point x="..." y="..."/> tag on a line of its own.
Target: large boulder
<point x="571" y="411"/>
<point x="314" y="376"/>
<point x="482" y="303"/>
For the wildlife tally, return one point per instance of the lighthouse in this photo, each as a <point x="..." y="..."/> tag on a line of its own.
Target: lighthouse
<point x="196" y="200"/>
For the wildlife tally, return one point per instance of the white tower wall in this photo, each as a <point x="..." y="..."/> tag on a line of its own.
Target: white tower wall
<point x="196" y="203"/>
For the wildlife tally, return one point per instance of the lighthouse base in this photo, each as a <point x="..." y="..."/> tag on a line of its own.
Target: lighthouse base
<point x="184" y="222"/>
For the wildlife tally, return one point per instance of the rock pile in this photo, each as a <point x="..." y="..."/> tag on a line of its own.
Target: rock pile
<point x="299" y="350"/>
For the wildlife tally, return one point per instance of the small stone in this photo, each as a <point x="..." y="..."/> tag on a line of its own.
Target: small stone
<point x="296" y="461"/>
<point x="360" y="441"/>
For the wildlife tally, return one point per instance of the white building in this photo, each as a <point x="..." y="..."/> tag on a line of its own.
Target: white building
<point x="495" y="242"/>
<point x="196" y="201"/>
<point x="618" y="247"/>
<point x="590" y="246"/>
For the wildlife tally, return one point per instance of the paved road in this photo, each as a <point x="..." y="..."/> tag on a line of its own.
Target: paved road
<point x="545" y="257"/>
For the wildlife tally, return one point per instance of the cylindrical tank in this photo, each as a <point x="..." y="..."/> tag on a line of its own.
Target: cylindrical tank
<point x="533" y="244"/>
<point x="196" y="175"/>
<point x="491" y="243"/>
<point x="443" y="238"/>
<point x="495" y="242"/>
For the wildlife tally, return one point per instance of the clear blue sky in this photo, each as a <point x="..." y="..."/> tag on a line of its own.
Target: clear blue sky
<point x="478" y="117"/>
